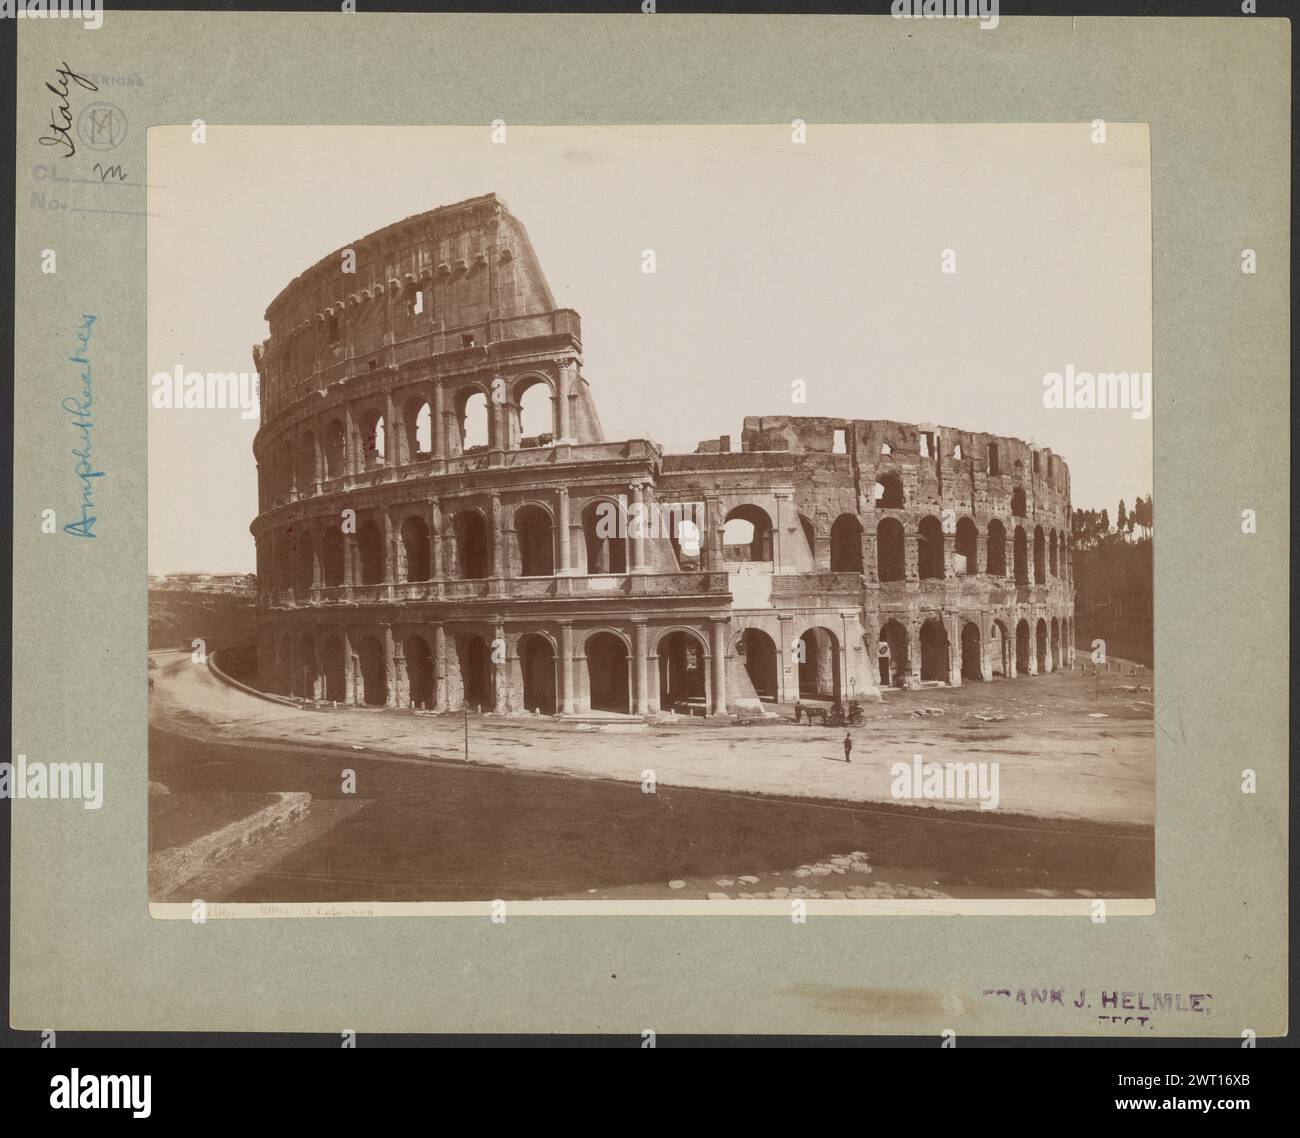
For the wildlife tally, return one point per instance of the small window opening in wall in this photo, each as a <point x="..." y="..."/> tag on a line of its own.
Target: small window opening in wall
<point x="993" y="459"/>
<point x="925" y="444"/>
<point x="332" y="329"/>
<point x="372" y="364"/>
<point x="956" y="452"/>
<point x="885" y="449"/>
<point x="417" y="305"/>
<point x="841" y="445"/>
<point x="467" y="340"/>
<point x="1035" y="462"/>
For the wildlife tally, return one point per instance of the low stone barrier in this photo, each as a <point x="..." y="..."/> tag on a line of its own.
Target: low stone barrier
<point x="170" y="869"/>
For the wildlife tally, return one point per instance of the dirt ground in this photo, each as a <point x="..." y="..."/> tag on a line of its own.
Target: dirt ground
<point x="1066" y="746"/>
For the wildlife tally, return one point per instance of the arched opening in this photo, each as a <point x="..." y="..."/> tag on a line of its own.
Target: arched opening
<point x="534" y="536"/>
<point x="604" y="529"/>
<point x="284" y="560"/>
<point x="891" y="556"/>
<point x="607" y="673"/>
<point x="891" y="492"/>
<point x="304" y="562"/>
<point x="972" y="644"/>
<point x="1056" y="644"/>
<point x="999" y="649"/>
<point x="374" y="673"/>
<point x="747" y="534"/>
<point x="1051" y="554"/>
<point x="966" y="560"/>
<point x="681" y="670"/>
<point x="685" y="529"/>
<point x="1022" y="556"/>
<point x="810" y="536"/>
<point x="537" y="668"/>
<point x="996" y="557"/>
<point x="475" y="662"/>
<point x="819" y="670"/>
<point x="417" y="548"/>
<point x="287" y="459"/>
<point x="758" y="650"/>
<point x="419" y="429"/>
<point x="929" y="549"/>
<point x="331" y="557"/>
<point x="1040" y="643"/>
<point x="308" y="677"/>
<point x="307" y="463"/>
<point x="934" y="651"/>
<point x="846" y="545"/>
<point x="472" y="414"/>
<point x="1018" y="502"/>
<point x="419" y="672"/>
<point x="335" y="670"/>
<point x="891" y="653"/>
<point x="1040" y="559"/>
<point x="370" y="547"/>
<point x="534" y="426"/>
<point x="471" y="545"/>
<point x="1022" y="648"/>
<point x="372" y="440"/>
<point x="336" y="450"/>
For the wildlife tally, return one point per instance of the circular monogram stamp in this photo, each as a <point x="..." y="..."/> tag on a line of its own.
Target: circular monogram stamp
<point x="101" y="126"/>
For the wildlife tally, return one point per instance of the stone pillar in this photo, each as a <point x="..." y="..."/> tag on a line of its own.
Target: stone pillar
<point x="349" y="668"/>
<point x="390" y="668"/>
<point x="318" y="462"/>
<point x="711" y="538"/>
<point x="498" y="561"/>
<point x="392" y="433"/>
<point x="439" y="668"/>
<point x="914" y="651"/>
<point x="437" y="424"/>
<point x="435" y="538"/>
<point x="642" y="704"/>
<point x="954" y="650"/>
<point x="562" y="402"/>
<point x="787" y="672"/>
<point x="562" y="524"/>
<point x="350" y="573"/>
<point x="500" y="685"/>
<point x="566" y="668"/>
<point x="720" y="667"/>
<point x="389" y="575"/>
<point x="638" y="533"/>
<point x="350" y="448"/>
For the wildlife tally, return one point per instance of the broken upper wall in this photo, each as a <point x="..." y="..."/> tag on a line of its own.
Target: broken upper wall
<point x="466" y="266"/>
<point x="940" y="467"/>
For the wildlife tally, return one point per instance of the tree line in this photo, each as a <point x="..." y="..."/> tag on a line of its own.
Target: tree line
<point x="1092" y="527"/>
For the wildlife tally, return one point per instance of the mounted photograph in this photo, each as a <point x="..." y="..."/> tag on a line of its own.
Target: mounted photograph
<point x="714" y="520"/>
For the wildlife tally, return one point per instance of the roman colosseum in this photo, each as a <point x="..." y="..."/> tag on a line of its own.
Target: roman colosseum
<point x="418" y="547"/>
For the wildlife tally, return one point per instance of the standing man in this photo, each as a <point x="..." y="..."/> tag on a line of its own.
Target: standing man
<point x="798" y="711"/>
<point x="848" y="746"/>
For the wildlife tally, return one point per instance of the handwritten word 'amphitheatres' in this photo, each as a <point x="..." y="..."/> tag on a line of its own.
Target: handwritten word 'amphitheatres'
<point x="79" y="408"/>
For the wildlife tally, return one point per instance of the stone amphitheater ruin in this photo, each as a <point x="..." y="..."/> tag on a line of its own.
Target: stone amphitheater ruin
<point x="415" y="548"/>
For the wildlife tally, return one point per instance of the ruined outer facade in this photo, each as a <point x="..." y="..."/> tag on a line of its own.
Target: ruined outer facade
<point x="400" y="564"/>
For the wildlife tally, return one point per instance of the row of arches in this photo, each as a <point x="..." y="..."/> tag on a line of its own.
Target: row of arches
<point x="889" y="494"/>
<point x="1049" y="557"/>
<point x="526" y="415"/>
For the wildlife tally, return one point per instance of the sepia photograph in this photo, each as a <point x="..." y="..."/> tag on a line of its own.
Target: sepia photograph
<point x="694" y="515"/>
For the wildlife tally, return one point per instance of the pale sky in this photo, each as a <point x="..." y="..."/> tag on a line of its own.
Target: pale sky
<point x="775" y="261"/>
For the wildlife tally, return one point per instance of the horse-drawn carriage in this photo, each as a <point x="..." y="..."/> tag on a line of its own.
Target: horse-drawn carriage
<point x="832" y="715"/>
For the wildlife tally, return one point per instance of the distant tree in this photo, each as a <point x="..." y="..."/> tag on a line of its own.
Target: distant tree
<point x="1105" y="523"/>
<point x="1121" y="522"/>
